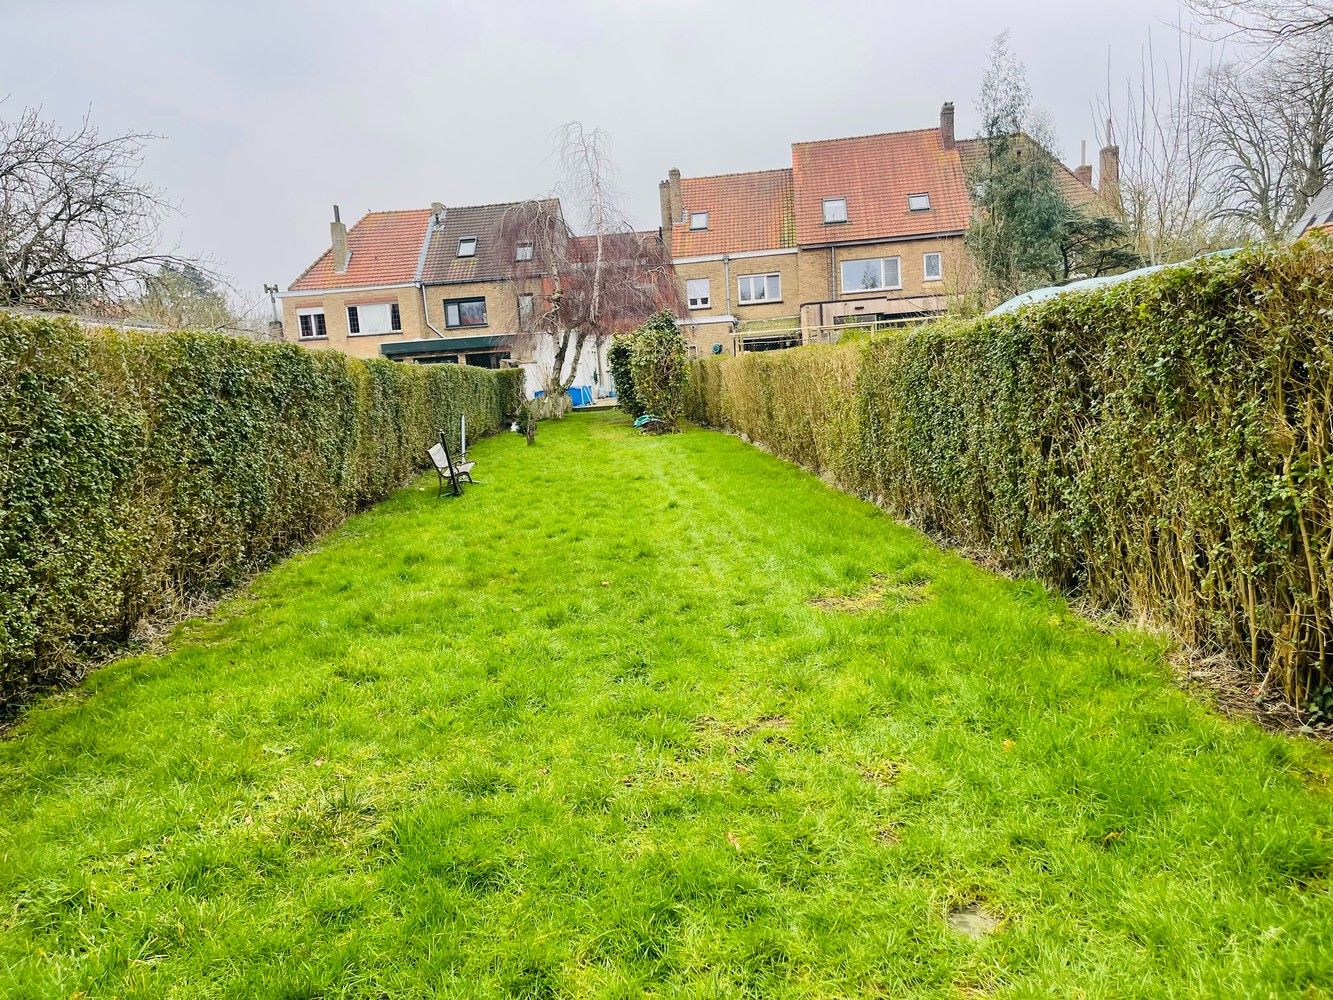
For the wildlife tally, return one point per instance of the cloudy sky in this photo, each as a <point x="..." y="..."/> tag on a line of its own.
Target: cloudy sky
<point x="270" y="112"/>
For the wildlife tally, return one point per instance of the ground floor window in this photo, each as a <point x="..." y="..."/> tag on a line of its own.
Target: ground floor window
<point x="464" y="312"/>
<point x="310" y="322"/>
<point x="487" y="359"/>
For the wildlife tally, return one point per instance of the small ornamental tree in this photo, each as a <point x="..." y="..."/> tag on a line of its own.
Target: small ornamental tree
<point x="659" y="369"/>
<point x="618" y="359"/>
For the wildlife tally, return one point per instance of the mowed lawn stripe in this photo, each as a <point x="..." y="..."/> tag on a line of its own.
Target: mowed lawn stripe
<point x="659" y="716"/>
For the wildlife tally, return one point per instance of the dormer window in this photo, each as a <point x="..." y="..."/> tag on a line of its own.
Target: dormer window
<point x="835" y="210"/>
<point x="918" y="202"/>
<point x="467" y="246"/>
<point x="698" y="220"/>
<point x="523" y="251"/>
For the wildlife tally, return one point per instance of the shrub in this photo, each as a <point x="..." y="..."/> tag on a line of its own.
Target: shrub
<point x="617" y="358"/>
<point x="659" y="368"/>
<point x="1160" y="447"/>
<point x="140" y="471"/>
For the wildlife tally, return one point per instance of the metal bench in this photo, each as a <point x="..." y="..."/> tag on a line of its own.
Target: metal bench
<point x="446" y="466"/>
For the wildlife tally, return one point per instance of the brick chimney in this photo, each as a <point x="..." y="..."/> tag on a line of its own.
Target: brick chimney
<point x="946" y="125"/>
<point x="1084" y="169"/>
<point x="673" y="185"/>
<point x="437" y="210"/>
<point x="664" y="196"/>
<point x="339" y="234"/>
<point x="1108" y="173"/>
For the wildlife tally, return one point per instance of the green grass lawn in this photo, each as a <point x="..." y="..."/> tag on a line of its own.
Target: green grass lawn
<point x="658" y="716"/>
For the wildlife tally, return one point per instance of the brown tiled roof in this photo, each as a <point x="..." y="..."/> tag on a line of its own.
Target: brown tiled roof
<point x="494" y="259"/>
<point x="750" y="211"/>
<point x="876" y="173"/>
<point x="1073" y="190"/>
<point x="385" y="248"/>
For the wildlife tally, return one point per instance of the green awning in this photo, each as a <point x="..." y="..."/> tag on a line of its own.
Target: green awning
<point x="442" y="345"/>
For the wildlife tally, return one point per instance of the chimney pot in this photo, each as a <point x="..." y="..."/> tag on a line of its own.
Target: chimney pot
<point x="946" y="125"/>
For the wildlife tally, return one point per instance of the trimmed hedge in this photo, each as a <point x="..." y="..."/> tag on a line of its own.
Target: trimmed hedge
<point x="140" y="471"/>
<point x="1161" y="447"/>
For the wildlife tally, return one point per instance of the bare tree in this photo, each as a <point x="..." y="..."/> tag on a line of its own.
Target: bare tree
<point x="1270" y="126"/>
<point x="1267" y="22"/>
<point x="583" y="288"/>
<point x="1170" y="170"/>
<point x="77" y="224"/>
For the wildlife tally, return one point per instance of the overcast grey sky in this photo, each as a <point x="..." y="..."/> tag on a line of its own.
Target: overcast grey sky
<point x="271" y="112"/>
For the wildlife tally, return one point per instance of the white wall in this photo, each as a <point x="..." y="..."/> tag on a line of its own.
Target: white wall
<point x="593" y="370"/>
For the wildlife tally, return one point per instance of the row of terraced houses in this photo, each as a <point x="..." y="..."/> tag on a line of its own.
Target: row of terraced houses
<point x="864" y="230"/>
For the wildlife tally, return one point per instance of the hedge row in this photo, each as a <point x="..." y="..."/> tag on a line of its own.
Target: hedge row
<point x="1161" y="447"/>
<point x="139" y="471"/>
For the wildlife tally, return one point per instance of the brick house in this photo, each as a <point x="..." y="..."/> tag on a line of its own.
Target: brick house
<point x="857" y="230"/>
<point x="428" y="285"/>
<point x="460" y="285"/>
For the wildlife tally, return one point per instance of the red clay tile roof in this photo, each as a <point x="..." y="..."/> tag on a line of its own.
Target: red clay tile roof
<point x="750" y="211"/>
<point x="385" y="249"/>
<point x="876" y="173"/>
<point x="1073" y="190"/>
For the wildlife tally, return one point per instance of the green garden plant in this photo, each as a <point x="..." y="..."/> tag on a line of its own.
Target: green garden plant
<point x="659" y="369"/>
<point x="142" y="471"/>
<point x="617" y="359"/>
<point x="1160" y="447"/>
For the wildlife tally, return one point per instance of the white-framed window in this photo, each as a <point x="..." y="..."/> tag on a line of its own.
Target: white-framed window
<point x="527" y="311"/>
<point x="871" y="275"/>
<point x="523" y="251"/>
<point x="759" y="288"/>
<point x="310" y="324"/>
<point x="835" y="210"/>
<point x="698" y="220"/>
<point x="467" y="246"/>
<point x="932" y="265"/>
<point x="697" y="293"/>
<point x="918" y="202"/>
<point x="367" y="318"/>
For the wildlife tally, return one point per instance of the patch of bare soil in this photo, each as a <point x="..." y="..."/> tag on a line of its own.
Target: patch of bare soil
<point x="1233" y="691"/>
<point x="880" y="590"/>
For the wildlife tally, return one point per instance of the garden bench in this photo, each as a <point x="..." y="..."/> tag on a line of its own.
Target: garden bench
<point x="445" y="465"/>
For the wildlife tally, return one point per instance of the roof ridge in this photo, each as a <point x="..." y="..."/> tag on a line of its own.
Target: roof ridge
<point x="868" y="135"/>
<point x="738" y="173"/>
<point x="500" y="204"/>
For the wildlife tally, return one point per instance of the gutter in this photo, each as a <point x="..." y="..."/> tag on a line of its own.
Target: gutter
<point x="421" y="269"/>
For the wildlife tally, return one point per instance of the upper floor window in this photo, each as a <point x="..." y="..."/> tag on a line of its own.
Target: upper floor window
<point x="872" y="275"/>
<point x="697" y="293"/>
<point x="933" y="266"/>
<point x="918" y="202"/>
<point x="835" y="210"/>
<point x="523" y="251"/>
<point x="375" y="317"/>
<point x="760" y="288"/>
<point x="527" y="311"/>
<point x="467" y="246"/>
<point x="698" y="220"/>
<point x="310" y="323"/>
<point x="464" y="312"/>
